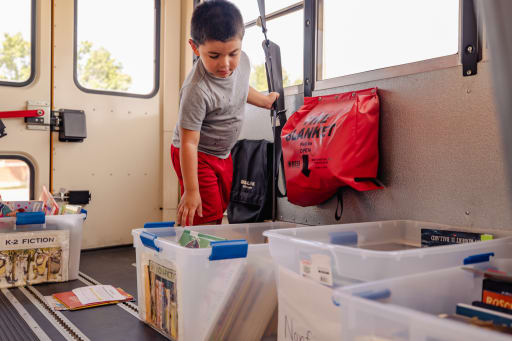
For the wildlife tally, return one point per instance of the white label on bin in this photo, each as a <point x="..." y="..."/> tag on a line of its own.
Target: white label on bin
<point x="318" y="268"/>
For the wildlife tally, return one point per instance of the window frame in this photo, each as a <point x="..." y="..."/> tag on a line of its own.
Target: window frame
<point x="313" y="40"/>
<point x="30" y="167"/>
<point x="297" y="6"/>
<point x="156" y="69"/>
<point x="32" y="76"/>
<point x="421" y="66"/>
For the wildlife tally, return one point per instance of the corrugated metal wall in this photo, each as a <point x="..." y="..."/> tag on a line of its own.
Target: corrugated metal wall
<point x="441" y="154"/>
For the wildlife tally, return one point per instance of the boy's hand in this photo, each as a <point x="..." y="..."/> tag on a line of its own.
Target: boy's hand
<point x="190" y="204"/>
<point x="271" y="98"/>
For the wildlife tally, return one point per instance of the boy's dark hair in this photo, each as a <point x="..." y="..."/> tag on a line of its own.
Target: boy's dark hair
<point x="216" y="20"/>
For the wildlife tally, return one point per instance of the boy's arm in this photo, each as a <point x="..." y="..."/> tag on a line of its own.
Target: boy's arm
<point x="261" y="100"/>
<point x="191" y="199"/>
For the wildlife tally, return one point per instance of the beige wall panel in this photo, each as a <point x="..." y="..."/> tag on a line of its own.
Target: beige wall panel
<point x="119" y="161"/>
<point x="30" y="143"/>
<point x="171" y="81"/>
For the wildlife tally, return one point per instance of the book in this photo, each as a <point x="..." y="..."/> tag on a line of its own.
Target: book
<point x="50" y="206"/>
<point x="484" y="314"/>
<point x="161" y="298"/>
<point x="492" y="307"/>
<point x="497" y="293"/>
<point x="72" y="302"/>
<point x="433" y="237"/>
<point x="70" y="209"/>
<point x="194" y="239"/>
<point x="10" y="208"/>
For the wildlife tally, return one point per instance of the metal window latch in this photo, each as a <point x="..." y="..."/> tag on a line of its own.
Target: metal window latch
<point x="22" y="113"/>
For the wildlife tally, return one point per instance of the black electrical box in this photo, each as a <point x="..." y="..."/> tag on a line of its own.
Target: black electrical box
<point x="79" y="197"/>
<point x="72" y="126"/>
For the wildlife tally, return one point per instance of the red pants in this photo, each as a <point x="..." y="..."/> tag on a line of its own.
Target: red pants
<point x="215" y="176"/>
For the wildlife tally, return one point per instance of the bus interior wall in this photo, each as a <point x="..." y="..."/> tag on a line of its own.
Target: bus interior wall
<point x="441" y="155"/>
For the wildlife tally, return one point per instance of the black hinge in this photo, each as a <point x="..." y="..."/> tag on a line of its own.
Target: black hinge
<point x="309" y="45"/>
<point x="469" y="49"/>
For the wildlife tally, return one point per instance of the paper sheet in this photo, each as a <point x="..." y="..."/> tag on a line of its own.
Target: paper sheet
<point x="97" y="294"/>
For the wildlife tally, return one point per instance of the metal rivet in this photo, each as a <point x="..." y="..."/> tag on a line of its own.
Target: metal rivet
<point x="467" y="212"/>
<point x="469" y="72"/>
<point x="469" y="49"/>
<point x="308" y="22"/>
<point x="468" y="91"/>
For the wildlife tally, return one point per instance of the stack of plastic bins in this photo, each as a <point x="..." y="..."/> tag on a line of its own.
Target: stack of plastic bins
<point x="24" y="223"/>
<point x="407" y="308"/>
<point x="340" y="255"/>
<point x="226" y="292"/>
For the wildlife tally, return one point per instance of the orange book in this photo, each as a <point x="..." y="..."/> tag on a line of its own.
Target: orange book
<point x="496" y="299"/>
<point x="72" y="302"/>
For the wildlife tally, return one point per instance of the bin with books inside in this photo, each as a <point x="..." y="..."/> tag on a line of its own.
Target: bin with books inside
<point x="37" y="248"/>
<point x="464" y="303"/>
<point x="311" y="261"/>
<point x="206" y="282"/>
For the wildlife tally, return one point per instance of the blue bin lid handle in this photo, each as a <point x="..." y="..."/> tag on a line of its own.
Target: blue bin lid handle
<point x="151" y="225"/>
<point x="479" y="258"/>
<point x="28" y="218"/>
<point x="228" y="249"/>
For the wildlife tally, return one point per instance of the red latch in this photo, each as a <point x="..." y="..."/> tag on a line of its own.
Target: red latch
<point x="22" y="113"/>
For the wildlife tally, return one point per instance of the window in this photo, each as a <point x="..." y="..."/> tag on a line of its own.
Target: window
<point x="17" y="48"/>
<point x="117" y="46"/>
<point x="364" y="35"/>
<point x="284" y="25"/>
<point x="16" y="178"/>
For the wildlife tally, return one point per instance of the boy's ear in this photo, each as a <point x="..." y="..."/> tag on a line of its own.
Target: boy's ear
<point x="194" y="47"/>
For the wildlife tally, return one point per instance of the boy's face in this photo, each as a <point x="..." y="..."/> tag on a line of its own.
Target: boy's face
<point x="219" y="58"/>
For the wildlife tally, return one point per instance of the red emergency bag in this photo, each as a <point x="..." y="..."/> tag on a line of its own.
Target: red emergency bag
<point x="331" y="142"/>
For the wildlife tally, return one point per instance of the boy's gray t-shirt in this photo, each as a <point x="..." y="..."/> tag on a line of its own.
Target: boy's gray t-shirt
<point x="214" y="106"/>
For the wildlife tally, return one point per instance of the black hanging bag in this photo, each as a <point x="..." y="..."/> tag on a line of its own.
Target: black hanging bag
<point x="251" y="192"/>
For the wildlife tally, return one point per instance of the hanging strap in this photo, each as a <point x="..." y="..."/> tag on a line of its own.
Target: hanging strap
<point x="339" y="205"/>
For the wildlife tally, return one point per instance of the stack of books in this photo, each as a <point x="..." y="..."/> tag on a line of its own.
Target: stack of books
<point x="494" y="310"/>
<point x="91" y="296"/>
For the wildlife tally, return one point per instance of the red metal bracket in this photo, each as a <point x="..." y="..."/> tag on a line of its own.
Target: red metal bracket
<point x="22" y="113"/>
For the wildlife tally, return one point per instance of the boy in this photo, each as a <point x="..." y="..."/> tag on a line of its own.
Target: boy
<point x="212" y="101"/>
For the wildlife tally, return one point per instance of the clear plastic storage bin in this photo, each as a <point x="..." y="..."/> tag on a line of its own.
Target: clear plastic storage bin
<point x="35" y="231"/>
<point x="407" y="308"/>
<point x="225" y="292"/>
<point x="339" y="255"/>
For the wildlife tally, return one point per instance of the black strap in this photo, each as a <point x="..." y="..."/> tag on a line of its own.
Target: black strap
<point x="279" y="158"/>
<point x="339" y="205"/>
